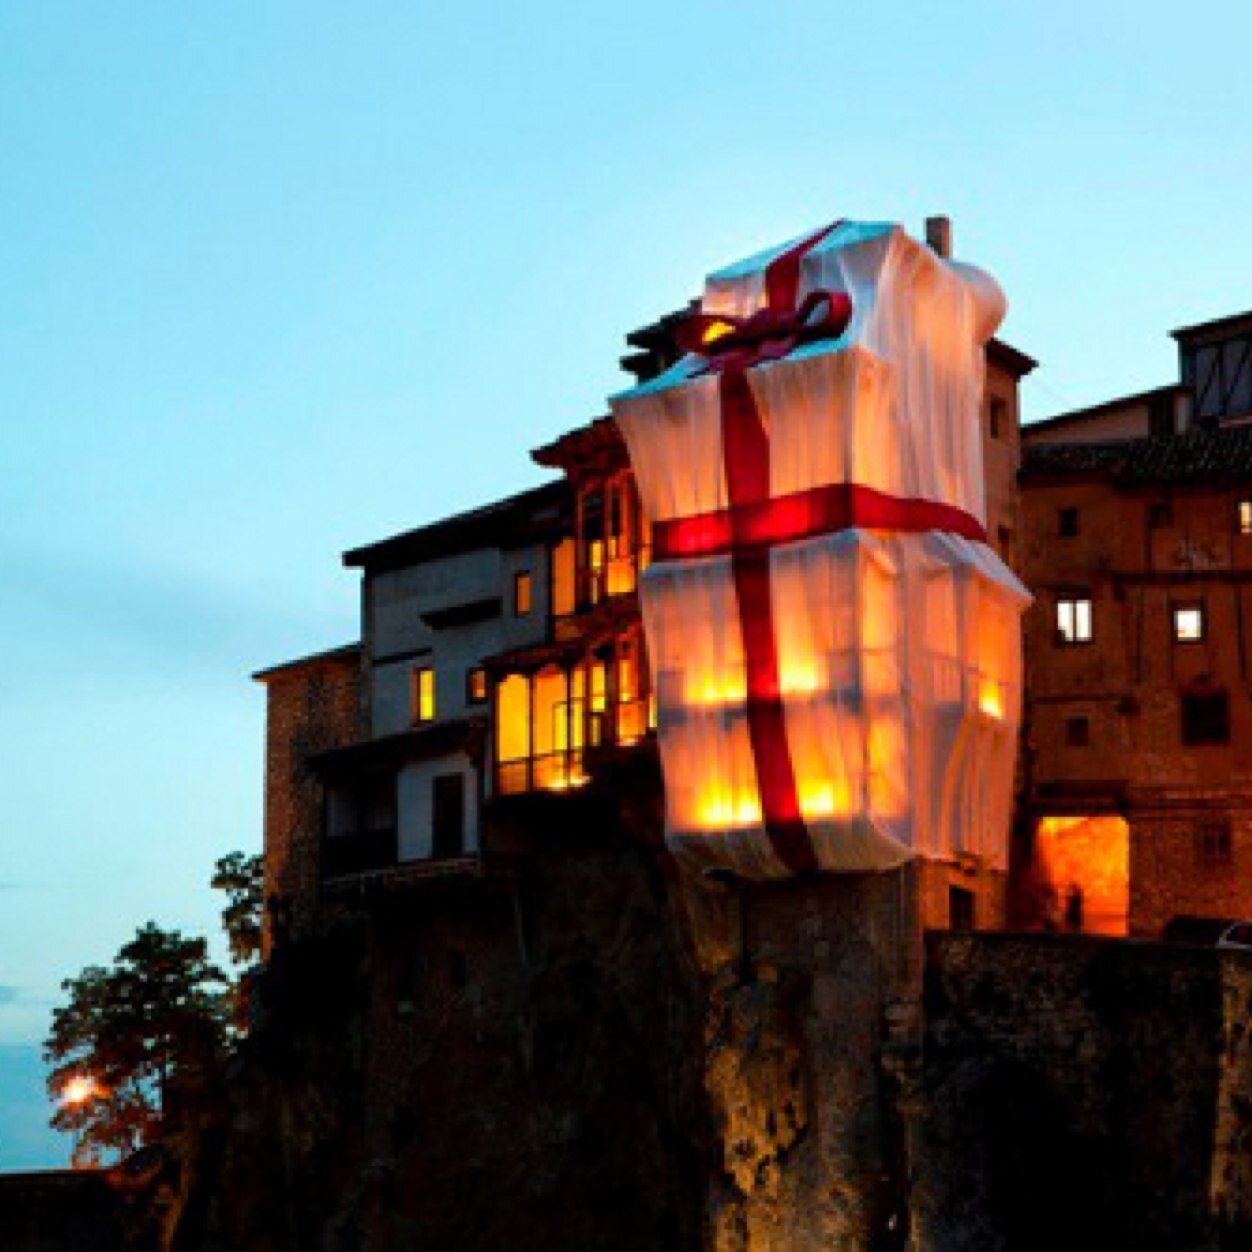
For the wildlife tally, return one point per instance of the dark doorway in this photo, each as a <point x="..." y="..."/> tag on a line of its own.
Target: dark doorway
<point x="448" y="816"/>
<point x="960" y="908"/>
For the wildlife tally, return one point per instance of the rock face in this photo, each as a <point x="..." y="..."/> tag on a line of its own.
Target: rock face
<point x="504" y="1063"/>
<point x="586" y="1051"/>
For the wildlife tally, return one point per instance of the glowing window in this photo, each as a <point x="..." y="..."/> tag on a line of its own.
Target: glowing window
<point x="1073" y="619"/>
<point x="424" y="694"/>
<point x="522" y="593"/>
<point x="1188" y="623"/>
<point x="476" y="686"/>
<point x="1245" y="517"/>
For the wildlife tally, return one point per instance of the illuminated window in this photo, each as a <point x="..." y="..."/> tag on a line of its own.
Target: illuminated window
<point x="521" y="593"/>
<point x="1067" y="522"/>
<point x="1188" y="623"/>
<point x="1244" y="516"/>
<point x="476" y="686"/>
<point x="1073" y="619"/>
<point x="424" y="694"/>
<point x="1205" y="718"/>
<point x="1077" y="732"/>
<point x="1160" y="515"/>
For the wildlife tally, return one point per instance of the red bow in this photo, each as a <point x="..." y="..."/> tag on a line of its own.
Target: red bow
<point x="769" y="334"/>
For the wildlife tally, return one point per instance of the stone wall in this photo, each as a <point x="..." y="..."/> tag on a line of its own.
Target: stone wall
<point x="1083" y="1093"/>
<point x="311" y="706"/>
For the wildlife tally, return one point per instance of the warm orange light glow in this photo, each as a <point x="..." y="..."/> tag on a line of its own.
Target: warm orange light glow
<point x="825" y="799"/>
<point x="800" y="679"/>
<point x="568" y="780"/>
<point x="720" y="810"/>
<point x="732" y="690"/>
<point x="80" y="1089"/>
<point x="715" y="331"/>
<point x="1093" y="855"/>
<point x="991" y="699"/>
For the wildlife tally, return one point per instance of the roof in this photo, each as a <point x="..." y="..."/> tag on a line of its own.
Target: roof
<point x="1105" y="407"/>
<point x="1199" y="457"/>
<point x="438" y="739"/>
<point x="507" y="523"/>
<point x="1216" y="328"/>
<point x="332" y="656"/>
<point x="598" y="442"/>
<point x="1013" y="360"/>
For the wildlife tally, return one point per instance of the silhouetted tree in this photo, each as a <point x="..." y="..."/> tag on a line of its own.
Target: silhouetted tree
<point x="242" y="878"/>
<point x="128" y="1034"/>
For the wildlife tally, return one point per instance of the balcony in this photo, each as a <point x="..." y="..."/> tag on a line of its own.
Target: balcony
<point x="360" y="852"/>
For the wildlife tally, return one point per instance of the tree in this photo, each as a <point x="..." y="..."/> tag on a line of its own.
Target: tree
<point x="242" y="878"/>
<point x="128" y="1035"/>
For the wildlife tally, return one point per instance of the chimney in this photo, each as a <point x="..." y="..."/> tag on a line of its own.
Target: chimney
<point x="939" y="235"/>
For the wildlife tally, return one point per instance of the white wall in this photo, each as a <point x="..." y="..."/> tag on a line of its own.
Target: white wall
<point x="415" y="808"/>
<point x="399" y="598"/>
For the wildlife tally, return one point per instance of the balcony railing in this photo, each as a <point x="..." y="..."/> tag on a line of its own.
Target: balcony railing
<point x="360" y="852"/>
<point x="551" y="771"/>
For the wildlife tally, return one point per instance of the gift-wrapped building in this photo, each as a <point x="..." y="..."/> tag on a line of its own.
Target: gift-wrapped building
<point x="834" y="648"/>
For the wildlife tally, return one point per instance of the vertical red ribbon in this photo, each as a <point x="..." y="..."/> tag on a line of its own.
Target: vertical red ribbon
<point x="746" y="450"/>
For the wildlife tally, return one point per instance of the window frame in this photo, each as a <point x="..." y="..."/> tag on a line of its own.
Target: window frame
<point x="1068" y="522"/>
<point x="1179" y="607"/>
<point x="1078" y="731"/>
<point x="1073" y="600"/>
<point x="422" y="686"/>
<point x="523" y="578"/>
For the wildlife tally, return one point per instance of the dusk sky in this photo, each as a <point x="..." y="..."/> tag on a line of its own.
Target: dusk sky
<point x="279" y="279"/>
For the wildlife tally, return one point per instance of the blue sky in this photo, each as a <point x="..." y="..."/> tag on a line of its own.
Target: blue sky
<point x="279" y="279"/>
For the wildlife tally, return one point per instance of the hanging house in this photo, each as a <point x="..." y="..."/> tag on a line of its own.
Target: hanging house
<point x="503" y="655"/>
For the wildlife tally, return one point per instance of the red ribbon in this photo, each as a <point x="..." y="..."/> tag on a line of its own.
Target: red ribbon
<point x="755" y="521"/>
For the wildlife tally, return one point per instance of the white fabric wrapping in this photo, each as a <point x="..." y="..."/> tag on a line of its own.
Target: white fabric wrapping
<point x="898" y="654"/>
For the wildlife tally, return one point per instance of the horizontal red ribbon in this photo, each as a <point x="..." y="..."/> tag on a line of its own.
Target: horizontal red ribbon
<point x="762" y="524"/>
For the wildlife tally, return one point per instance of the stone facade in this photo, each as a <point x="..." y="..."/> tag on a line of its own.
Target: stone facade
<point x="1142" y="531"/>
<point x="311" y="705"/>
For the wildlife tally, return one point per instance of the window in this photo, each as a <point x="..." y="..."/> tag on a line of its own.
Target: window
<point x="960" y="908"/>
<point x="521" y="593"/>
<point x="476" y="686"/>
<point x="1205" y="718"/>
<point x="1244" y="517"/>
<point x="1188" y="623"/>
<point x="1073" y="619"/>
<point x="1077" y="732"/>
<point x="424" y="694"/>
<point x="1212" y="845"/>
<point x="1160" y="515"/>
<point x="997" y="417"/>
<point x="1067" y="522"/>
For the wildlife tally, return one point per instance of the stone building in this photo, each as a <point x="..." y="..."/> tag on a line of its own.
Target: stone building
<point x="502" y="653"/>
<point x="1137" y="806"/>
